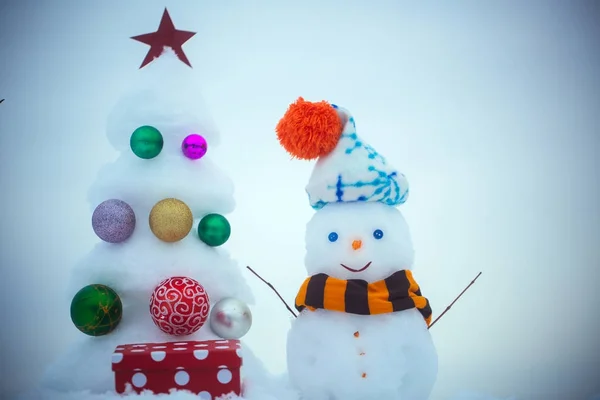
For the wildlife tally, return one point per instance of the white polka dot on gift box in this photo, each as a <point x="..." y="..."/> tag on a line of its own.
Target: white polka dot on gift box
<point x="182" y="378"/>
<point x="200" y="354"/>
<point x="139" y="380"/>
<point x="224" y="376"/>
<point x="158" y="356"/>
<point x="204" y="396"/>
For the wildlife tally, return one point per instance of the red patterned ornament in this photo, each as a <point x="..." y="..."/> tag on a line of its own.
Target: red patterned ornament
<point x="179" y="306"/>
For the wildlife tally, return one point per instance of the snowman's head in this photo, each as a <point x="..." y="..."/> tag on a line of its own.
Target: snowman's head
<point x="359" y="240"/>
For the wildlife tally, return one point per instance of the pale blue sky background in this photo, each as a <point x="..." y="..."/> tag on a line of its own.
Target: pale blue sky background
<point x="492" y="110"/>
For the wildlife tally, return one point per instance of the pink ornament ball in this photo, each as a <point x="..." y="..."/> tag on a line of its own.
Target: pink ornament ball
<point x="194" y="146"/>
<point x="113" y="221"/>
<point x="179" y="306"/>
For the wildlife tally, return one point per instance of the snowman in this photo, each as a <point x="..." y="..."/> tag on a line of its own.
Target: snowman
<point x="362" y="332"/>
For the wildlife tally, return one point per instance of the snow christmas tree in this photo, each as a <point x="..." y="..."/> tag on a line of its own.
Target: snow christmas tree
<point x="158" y="290"/>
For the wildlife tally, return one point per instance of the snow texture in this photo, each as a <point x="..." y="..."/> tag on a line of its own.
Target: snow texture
<point x="347" y="356"/>
<point x="133" y="268"/>
<point x="200" y="184"/>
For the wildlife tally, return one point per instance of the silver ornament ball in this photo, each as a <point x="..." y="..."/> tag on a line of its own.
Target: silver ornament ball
<point x="230" y="318"/>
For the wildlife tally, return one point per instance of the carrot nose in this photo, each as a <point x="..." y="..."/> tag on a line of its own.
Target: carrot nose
<point x="357" y="244"/>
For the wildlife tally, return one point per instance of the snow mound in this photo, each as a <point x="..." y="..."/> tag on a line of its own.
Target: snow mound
<point x="396" y="354"/>
<point x="163" y="94"/>
<point x="277" y="389"/>
<point x="467" y="395"/>
<point x="86" y="395"/>
<point x="282" y="394"/>
<point x="180" y="395"/>
<point x="201" y="184"/>
<point x="133" y="271"/>
<point x="85" y="371"/>
<point x="259" y="384"/>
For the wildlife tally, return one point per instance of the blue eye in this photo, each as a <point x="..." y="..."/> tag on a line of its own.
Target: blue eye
<point x="333" y="237"/>
<point x="378" y="234"/>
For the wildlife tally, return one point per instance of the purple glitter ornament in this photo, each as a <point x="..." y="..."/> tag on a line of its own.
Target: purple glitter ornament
<point x="194" y="146"/>
<point x="113" y="221"/>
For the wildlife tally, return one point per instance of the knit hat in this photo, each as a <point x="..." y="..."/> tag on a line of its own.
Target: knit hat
<point x="348" y="169"/>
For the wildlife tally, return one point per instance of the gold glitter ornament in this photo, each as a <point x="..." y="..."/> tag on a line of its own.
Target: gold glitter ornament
<point x="171" y="220"/>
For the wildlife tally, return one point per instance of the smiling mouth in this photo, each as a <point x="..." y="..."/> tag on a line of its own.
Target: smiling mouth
<point x="357" y="270"/>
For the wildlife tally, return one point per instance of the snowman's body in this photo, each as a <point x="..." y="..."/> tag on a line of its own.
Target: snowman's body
<point x="335" y="355"/>
<point x="391" y="357"/>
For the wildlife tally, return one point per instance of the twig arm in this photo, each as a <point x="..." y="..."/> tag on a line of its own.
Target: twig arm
<point x="275" y="290"/>
<point x="451" y="304"/>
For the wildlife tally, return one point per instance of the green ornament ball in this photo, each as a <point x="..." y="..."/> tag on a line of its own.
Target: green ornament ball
<point x="146" y="142"/>
<point x="96" y="310"/>
<point x="214" y="230"/>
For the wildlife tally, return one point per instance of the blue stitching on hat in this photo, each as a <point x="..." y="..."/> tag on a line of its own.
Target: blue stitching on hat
<point x="389" y="184"/>
<point x="383" y="183"/>
<point x="371" y="152"/>
<point x="339" y="193"/>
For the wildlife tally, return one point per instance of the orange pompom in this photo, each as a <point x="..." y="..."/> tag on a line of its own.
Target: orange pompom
<point x="309" y="130"/>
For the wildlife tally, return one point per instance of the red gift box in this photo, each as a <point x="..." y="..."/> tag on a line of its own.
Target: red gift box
<point x="209" y="368"/>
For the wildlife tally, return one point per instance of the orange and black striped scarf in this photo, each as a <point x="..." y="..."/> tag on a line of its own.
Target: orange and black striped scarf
<point x="397" y="292"/>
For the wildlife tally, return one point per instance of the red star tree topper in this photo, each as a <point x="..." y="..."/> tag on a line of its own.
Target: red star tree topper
<point x="165" y="36"/>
